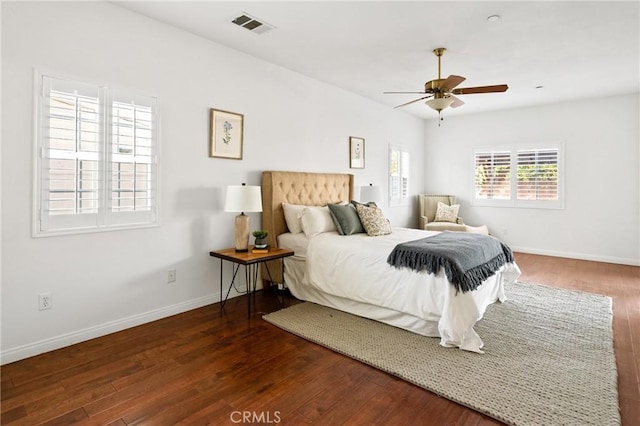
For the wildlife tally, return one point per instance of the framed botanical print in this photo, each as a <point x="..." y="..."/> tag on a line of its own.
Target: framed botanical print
<point x="225" y="134"/>
<point x="356" y="152"/>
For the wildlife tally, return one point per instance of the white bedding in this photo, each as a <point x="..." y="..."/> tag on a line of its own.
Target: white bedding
<point x="351" y="274"/>
<point x="296" y="242"/>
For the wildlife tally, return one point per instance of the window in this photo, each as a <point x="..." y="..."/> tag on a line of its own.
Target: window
<point x="535" y="183"/>
<point x="96" y="158"/>
<point x="537" y="177"/>
<point x="398" y="176"/>
<point x="493" y="175"/>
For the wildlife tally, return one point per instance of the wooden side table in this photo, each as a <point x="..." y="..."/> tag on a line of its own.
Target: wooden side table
<point x="251" y="262"/>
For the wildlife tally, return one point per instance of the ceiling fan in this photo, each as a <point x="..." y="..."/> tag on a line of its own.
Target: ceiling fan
<point x="442" y="90"/>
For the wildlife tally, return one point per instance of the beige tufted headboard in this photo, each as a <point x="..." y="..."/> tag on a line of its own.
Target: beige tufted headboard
<point x="310" y="189"/>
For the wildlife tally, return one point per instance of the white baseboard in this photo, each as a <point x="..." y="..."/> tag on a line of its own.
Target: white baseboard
<point x="61" y="341"/>
<point x="581" y="256"/>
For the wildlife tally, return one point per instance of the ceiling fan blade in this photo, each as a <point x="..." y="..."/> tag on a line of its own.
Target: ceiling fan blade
<point x="480" y="89"/>
<point x="410" y="102"/>
<point x="451" y="82"/>
<point x="456" y="102"/>
<point x="417" y="93"/>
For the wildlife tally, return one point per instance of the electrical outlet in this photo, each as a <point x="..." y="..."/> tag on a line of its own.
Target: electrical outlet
<point x="171" y="276"/>
<point x="45" y="301"/>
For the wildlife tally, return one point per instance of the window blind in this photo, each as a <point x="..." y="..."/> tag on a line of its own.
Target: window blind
<point x="132" y="157"/>
<point x="537" y="174"/>
<point x="519" y="176"/>
<point x="492" y="175"/>
<point x="96" y="157"/>
<point x="398" y="176"/>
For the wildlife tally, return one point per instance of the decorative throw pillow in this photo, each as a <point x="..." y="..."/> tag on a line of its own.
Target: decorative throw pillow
<point x="369" y="204"/>
<point x="373" y="220"/>
<point x="445" y="213"/>
<point x="292" y="213"/>
<point x="316" y="220"/>
<point x="346" y="219"/>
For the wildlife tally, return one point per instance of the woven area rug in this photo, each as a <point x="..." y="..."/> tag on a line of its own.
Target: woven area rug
<point x="548" y="355"/>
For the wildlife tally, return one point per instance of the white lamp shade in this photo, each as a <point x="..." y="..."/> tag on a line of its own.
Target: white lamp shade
<point x="243" y="198"/>
<point x="371" y="193"/>
<point x="440" y="103"/>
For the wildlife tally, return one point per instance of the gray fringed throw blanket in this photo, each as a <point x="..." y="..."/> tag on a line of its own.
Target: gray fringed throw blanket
<point x="468" y="259"/>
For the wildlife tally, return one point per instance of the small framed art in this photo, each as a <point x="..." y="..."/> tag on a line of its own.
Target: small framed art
<point x="356" y="152"/>
<point x="225" y="134"/>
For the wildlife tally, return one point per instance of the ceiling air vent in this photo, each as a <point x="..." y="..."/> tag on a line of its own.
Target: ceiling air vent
<point x="252" y="24"/>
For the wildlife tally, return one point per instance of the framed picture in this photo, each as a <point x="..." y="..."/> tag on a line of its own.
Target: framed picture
<point x="356" y="152"/>
<point x="225" y="134"/>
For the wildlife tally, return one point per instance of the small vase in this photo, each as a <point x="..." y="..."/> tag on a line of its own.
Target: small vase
<point x="261" y="243"/>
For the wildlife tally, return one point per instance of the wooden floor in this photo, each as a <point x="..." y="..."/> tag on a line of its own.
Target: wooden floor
<point x="208" y="367"/>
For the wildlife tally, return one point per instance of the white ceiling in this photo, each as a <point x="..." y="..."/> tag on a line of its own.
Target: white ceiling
<point x="574" y="49"/>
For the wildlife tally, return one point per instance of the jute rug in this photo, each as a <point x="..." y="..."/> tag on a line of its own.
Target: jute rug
<point x="548" y="355"/>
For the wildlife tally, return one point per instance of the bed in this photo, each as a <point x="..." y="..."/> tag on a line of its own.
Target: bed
<point x="350" y="273"/>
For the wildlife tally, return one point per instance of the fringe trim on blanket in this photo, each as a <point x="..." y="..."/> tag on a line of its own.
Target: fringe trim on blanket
<point x="462" y="281"/>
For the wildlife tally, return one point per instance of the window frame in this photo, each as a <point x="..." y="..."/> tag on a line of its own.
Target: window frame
<point x="404" y="166"/>
<point x="104" y="218"/>
<point x="513" y="201"/>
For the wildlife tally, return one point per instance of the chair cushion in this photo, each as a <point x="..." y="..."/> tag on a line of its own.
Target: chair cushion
<point x="445" y="213"/>
<point x="445" y="226"/>
<point x="429" y="203"/>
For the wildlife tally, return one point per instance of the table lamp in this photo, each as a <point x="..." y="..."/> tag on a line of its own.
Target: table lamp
<point x="371" y="193"/>
<point x="242" y="198"/>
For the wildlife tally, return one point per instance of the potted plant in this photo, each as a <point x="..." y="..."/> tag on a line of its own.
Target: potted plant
<point x="261" y="239"/>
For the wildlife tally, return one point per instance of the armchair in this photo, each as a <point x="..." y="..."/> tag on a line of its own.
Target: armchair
<point x="428" y="205"/>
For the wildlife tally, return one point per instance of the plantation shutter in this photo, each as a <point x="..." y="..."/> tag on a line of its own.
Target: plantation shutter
<point x="398" y="176"/>
<point x="493" y="175"/>
<point x="132" y="168"/>
<point x="404" y="165"/>
<point x="537" y="177"/>
<point x="96" y="158"/>
<point x="71" y="129"/>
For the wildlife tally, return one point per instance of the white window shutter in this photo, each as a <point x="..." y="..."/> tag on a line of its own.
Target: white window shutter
<point x="493" y="175"/>
<point x="96" y="158"/>
<point x="519" y="176"/>
<point x="537" y="177"/>
<point x="131" y="166"/>
<point x="70" y="147"/>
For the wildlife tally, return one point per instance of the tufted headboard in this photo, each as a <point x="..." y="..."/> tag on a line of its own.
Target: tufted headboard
<point x="310" y="189"/>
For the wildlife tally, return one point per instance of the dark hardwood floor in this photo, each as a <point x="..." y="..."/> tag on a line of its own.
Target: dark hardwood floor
<point x="208" y="367"/>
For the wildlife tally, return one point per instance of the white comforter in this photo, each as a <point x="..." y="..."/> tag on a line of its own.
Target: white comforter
<point x="355" y="267"/>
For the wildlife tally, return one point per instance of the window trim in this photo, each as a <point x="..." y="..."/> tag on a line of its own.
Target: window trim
<point x="102" y="221"/>
<point x="513" y="201"/>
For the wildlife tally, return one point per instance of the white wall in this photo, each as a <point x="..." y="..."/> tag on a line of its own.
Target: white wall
<point x="103" y="282"/>
<point x="601" y="218"/>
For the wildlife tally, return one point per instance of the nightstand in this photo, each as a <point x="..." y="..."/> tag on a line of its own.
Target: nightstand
<point x="251" y="262"/>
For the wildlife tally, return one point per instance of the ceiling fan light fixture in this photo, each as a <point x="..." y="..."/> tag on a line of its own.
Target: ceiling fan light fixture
<point x="439" y="104"/>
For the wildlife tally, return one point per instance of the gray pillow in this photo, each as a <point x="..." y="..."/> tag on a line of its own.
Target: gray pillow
<point x="346" y="219"/>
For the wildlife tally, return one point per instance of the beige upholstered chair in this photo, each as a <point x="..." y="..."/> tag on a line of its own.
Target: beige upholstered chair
<point x="428" y="204"/>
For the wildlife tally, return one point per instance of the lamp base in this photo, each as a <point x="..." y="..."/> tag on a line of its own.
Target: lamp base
<point x="241" y="233"/>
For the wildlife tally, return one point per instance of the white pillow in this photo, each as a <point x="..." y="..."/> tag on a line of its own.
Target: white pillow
<point x="445" y="213"/>
<point x="316" y="220"/>
<point x="292" y="214"/>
